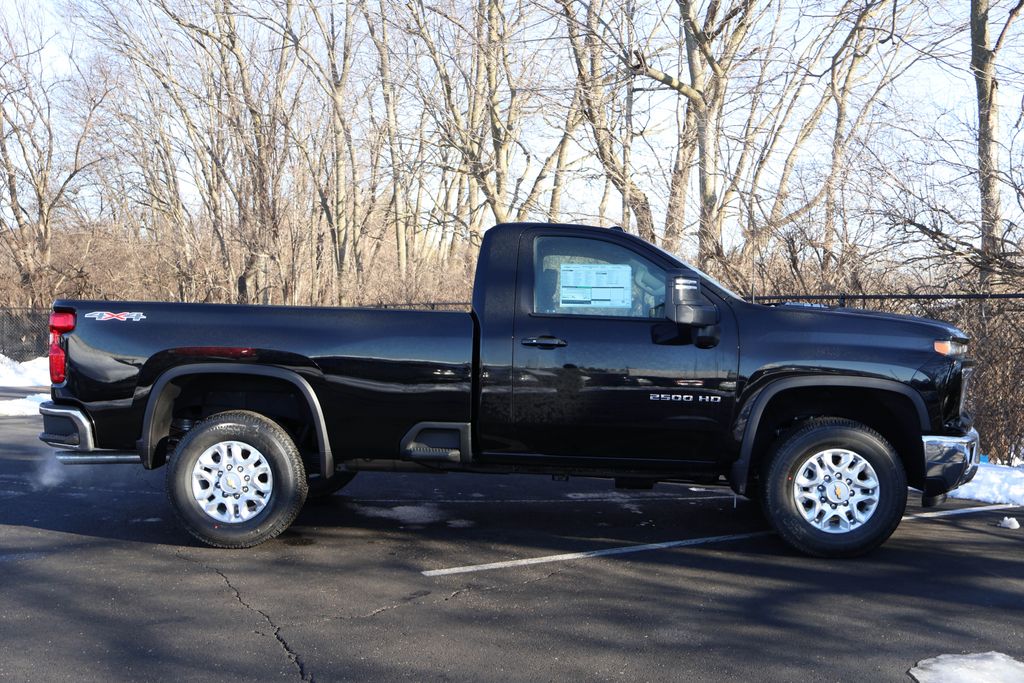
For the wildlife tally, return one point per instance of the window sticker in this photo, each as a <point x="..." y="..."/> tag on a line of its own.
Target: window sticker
<point x="590" y="285"/>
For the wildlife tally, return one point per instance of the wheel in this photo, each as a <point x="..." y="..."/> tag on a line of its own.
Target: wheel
<point x="236" y="480"/>
<point x="320" y="488"/>
<point x="834" y="488"/>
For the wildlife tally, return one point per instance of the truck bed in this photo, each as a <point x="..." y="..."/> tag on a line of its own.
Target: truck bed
<point x="376" y="372"/>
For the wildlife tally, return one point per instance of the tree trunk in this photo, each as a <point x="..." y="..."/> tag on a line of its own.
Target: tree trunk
<point x="675" y="214"/>
<point x="983" y="66"/>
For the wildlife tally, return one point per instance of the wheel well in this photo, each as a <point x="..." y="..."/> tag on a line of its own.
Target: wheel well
<point x="196" y="397"/>
<point x="891" y="414"/>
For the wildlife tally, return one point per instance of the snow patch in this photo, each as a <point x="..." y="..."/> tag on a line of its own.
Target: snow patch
<point x="1009" y="523"/>
<point x="22" y="407"/>
<point x="406" y="514"/>
<point x="994" y="484"/>
<point x="987" y="667"/>
<point x="29" y="373"/>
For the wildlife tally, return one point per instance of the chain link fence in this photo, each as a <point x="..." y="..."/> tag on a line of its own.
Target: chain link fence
<point x="24" y="332"/>
<point x="430" y="306"/>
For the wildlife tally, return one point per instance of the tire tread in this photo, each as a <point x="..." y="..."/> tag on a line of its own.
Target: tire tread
<point x="291" y="454"/>
<point x="774" y="466"/>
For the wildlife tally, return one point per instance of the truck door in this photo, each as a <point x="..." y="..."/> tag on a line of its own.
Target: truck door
<point x="598" y="369"/>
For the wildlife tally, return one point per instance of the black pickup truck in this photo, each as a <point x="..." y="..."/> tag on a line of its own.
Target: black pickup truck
<point x="587" y="352"/>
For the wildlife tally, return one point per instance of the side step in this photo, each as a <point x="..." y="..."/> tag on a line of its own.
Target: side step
<point x="418" y="452"/>
<point x="437" y="442"/>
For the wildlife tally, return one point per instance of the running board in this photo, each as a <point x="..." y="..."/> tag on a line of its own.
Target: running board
<point x="99" y="458"/>
<point x="437" y="442"/>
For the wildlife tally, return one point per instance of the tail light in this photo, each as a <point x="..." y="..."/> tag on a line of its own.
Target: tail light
<point x="60" y="322"/>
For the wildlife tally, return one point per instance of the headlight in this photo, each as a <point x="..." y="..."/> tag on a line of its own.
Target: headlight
<point x="951" y="348"/>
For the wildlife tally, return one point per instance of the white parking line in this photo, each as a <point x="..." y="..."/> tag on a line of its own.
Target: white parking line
<point x="565" y="557"/>
<point x="959" y="511"/>
<point x="595" y="553"/>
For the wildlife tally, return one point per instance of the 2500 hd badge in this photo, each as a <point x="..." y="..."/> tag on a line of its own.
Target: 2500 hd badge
<point x="686" y="398"/>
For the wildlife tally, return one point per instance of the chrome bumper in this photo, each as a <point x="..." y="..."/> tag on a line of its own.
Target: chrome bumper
<point x="950" y="461"/>
<point x="70" y="431"/>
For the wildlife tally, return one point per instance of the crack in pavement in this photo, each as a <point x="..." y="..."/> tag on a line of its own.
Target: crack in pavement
<point x="497" y="586"/>
<point x="293" y="656"/>
<point x="412" y="600"/>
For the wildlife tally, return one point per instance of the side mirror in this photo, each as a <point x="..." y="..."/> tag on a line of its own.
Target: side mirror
<point x="685" y="304"/>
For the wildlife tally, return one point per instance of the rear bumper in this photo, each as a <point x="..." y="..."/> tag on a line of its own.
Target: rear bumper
<point x="950" y="461"/>
<point x="69" y="430"/>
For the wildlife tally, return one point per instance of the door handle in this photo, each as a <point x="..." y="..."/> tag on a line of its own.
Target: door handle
<point x="544" y="342"/>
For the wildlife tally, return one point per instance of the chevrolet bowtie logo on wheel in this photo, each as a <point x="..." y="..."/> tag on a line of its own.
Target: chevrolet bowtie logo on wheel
<point x="107" y="315"/>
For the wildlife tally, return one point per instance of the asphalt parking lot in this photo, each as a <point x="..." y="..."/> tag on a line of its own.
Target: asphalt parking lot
<point x="390" y="580"/>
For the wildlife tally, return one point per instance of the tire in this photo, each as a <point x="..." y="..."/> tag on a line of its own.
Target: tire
<point x="823" y="516"/>
<point x="215" y="458"/>
<point x="320" y="488"/>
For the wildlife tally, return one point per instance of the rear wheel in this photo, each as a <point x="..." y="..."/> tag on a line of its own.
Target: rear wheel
<point x="834" y="488"/>
<point x="236" y="480"/>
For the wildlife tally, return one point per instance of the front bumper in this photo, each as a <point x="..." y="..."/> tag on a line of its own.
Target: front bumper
<point x="69" y="430"/>
<point x="950" y="461"/>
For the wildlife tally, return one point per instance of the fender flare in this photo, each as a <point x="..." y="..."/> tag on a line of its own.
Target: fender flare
<point x="162" y="395"/>
<point x="738" y="475"/>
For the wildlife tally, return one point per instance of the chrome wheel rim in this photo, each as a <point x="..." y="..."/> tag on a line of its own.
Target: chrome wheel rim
<point x="836" y="490"/>
<point x="232" y="482"/>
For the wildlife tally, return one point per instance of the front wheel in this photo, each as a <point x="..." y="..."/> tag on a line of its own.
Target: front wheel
<point x="834" y="488"/>
<point x="236" y="480"/>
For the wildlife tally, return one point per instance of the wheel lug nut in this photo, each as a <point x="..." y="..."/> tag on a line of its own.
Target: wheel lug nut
<point x="821" y="487"/>
<point x="245" y="489"/>
<point x="247" y="477"/>
<point x="823" y="499"/>
<point x="833" y="504"/>
<point x="237" y="496"/>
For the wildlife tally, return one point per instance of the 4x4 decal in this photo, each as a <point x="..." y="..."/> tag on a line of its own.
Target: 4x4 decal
<point x="107" y="315"/>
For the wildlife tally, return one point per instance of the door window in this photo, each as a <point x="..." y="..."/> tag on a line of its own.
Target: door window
<point x="590" y="277"/>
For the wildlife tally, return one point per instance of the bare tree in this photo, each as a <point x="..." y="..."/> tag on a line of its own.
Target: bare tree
<point x="43" y="153"/>
<point x="984" y="55"/>
<point x="587" y="38"/>
<point x="482" y="101"/>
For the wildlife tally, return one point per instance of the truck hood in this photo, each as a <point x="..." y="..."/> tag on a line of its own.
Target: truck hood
<point x="939" y="328"/>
